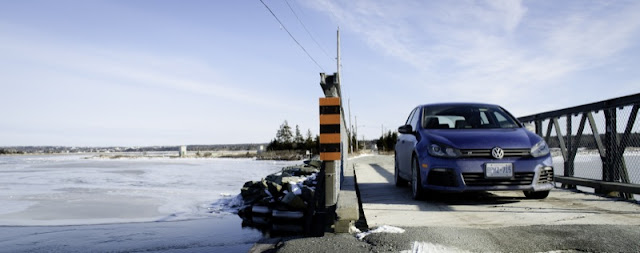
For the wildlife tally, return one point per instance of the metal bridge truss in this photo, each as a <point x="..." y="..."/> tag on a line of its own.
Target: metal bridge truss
<point x="611" y="146"/>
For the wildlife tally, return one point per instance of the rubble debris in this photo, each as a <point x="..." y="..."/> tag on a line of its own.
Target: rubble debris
<point x="283" y="201"/>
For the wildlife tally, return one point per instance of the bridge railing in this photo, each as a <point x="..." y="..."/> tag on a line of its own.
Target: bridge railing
<point x="595" y="145"/>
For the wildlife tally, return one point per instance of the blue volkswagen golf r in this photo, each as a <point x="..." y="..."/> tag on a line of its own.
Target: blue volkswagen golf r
<point x="460" y="147"/>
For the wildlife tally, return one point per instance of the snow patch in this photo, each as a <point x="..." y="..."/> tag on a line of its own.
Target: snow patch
<point x="295" y="188"/>
<point x="227" y="205"/>
<point x="381" y="229"/>
<point x="419" y="247"/>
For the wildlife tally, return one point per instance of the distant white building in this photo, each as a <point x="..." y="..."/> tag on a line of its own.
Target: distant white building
<point x="183" y="151"/>
<point x="260" y="149"/>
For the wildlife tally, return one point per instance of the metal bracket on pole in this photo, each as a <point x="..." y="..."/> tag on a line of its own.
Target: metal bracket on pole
<point x="330" y="85"/>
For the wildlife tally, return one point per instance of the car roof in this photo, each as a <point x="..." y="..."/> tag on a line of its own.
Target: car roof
<point x="460" y="104"/>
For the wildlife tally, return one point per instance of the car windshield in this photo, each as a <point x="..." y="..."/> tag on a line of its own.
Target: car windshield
<point x="466" y="117"/>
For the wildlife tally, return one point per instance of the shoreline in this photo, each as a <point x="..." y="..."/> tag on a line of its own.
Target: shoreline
<point x="286" y="155"/>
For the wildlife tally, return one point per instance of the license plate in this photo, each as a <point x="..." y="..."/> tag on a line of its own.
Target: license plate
<point x="498" y="170"/>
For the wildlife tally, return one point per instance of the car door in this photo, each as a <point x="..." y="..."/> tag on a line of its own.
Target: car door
<point x="406" y="144"/>
<point x="401" y="147"/>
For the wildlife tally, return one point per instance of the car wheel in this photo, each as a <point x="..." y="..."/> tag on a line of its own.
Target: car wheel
<point x="400" y="182"/>
<point x="416" y="183"/>
<point x="536" y="195"/>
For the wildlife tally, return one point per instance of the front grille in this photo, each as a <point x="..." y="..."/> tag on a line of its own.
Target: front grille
<point x="442" y="177"/>
<point x="487" y="153"/>
<point x="546" y="175"/>
<point x="478" y="179"/>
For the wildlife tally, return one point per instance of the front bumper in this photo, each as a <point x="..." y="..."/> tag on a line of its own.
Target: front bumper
<point x="468" y="174"/>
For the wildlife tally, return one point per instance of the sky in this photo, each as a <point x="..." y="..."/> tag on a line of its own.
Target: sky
<point x="142" y="73"/>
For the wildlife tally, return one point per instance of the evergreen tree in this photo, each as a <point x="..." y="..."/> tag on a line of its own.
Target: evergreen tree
<point x="387" y="142"/>
<point x="308" y="142"/>
<point x="298" y="140"/>
<point x="285" y="140"/>
<point x="284" y="134"/>
<point x="309" y="136"/>
<point x="354" y="141"/>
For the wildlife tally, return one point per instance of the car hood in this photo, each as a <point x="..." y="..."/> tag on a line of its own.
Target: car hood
<point x="512" y="138"/>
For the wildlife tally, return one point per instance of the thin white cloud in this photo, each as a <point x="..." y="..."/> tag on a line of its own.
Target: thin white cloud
<point x="125" y="67"/>
<point x="594" y="34"/>
<point x="493" y="50"/>
<point x="510" y="13"/>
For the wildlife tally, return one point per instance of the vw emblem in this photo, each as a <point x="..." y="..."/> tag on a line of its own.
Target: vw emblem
<point x="497" y="153"/>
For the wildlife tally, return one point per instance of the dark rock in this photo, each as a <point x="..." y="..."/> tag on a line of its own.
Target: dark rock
<point x="274" y="188"/>
<point x="307" y="193"/>
<point x="294" y="201"/>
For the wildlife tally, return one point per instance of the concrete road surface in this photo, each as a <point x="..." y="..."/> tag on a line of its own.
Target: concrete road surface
<point x="386" y="204"/>
<point x="483" y="222"/>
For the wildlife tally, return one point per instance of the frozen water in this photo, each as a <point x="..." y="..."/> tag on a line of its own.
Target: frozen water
<point x="214" y="234"/>
<point x="65" y="193"/>
<point x="72" y="190"/>
<point x="588" y="164"/>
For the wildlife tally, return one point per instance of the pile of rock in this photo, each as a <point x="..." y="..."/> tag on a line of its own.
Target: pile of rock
<point x="283" y="201"/>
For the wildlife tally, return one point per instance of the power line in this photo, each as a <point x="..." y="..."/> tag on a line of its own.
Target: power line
<point x="291" y="35"/>
<point x="307" y="30"/>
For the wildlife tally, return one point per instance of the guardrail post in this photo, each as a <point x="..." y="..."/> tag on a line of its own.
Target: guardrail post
<point x="568" y="162"/>
<point x="538" y="124"/>
<point x="611" y="145"/>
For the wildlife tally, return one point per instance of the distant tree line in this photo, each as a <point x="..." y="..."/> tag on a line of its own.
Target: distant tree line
<point x="231" y="147"/>
<point x="63" y="149"/>
<point x="10" y="151"/>
<point x="286" y="139"/>
<point x="387" y="141"/>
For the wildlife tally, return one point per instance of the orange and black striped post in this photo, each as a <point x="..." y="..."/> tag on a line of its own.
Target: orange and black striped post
<point x="330" y="129"/>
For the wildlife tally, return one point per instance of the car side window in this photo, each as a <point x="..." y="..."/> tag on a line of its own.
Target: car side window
<point x="484" y="120"/>
<point x="408" y="122"/>
<point x="417" y="115"/>
<point x="503" y="121"/>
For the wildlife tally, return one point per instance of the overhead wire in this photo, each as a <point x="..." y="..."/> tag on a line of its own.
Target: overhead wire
<point x="291" y="35"/>
<point x="307" y="30"/>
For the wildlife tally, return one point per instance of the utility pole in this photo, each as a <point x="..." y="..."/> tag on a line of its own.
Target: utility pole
<point x="338" y="57"/>
<point x="332" y="122"/>
<point x="357" y="146"/>
<point x="350" y="126"/>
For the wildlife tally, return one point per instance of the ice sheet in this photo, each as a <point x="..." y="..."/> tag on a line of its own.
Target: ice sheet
<point x="72" y="190"/>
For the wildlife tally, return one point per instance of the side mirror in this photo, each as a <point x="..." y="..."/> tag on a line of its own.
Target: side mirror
<point x="406" y="129"/>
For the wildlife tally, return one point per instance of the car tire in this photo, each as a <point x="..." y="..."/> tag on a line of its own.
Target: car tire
<point x="400" y="182"/>
<point x="536" y="195"/>
<point x="416" y="182"/>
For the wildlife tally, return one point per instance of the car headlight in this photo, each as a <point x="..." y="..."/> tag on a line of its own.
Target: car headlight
<point x="443" y="151"/>
<point x="540" y="149"/>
